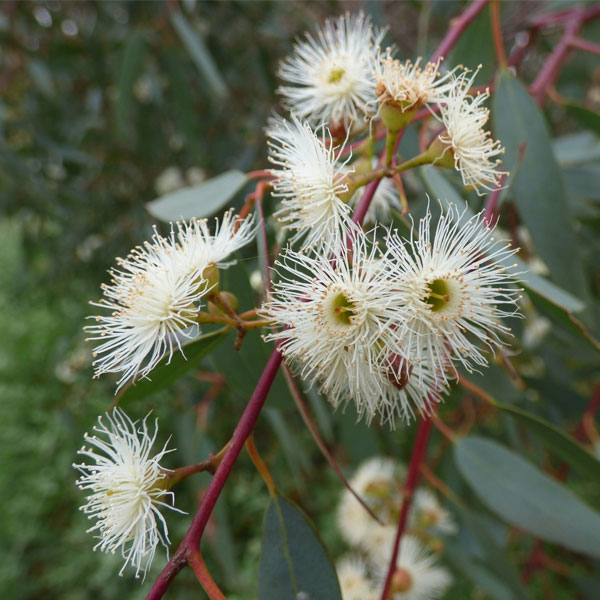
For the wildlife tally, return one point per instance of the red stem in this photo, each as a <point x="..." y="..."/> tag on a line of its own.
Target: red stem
<point x="585" y="45"/>
<point x="191" y="541"/>
<point x="497" y="33"/>
<point x="457" y="27"/>
<point x="589" y="413"/>
<point x="414" y="469"/>
<point x="206" y="581"/>
<point x="551" y="69"/>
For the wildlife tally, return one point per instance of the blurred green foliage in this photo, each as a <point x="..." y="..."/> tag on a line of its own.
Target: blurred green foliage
<point x="103" y="102"/>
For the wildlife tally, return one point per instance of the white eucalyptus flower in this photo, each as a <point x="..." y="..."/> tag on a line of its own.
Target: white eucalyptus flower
<point x="428" y="513"/>
<point x="417" y="577"/>
<point x="331" y="75"/>
<point x="125" y="491"/>
<point x="473" y="149"/>
<point x="310" y="182"/>
<point x="354" y="581"/>
<point x="343" y="316"/>
<point x="459" y="289"/>
<point x="199" y="247"/>
<point x="407" y="85"/>
<point x="378" y="481"/>
<point x="155" y="294"/>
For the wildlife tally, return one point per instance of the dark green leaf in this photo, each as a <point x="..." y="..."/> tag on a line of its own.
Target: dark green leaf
<point x="587" y="118"/>
<point x="537" y="187"/>
<point x="524" y="496"/>
<point x="131" y="65"/>
<point x="167" y="371"/>
<point x="558" y="441"/>
<point x="294" y="563"/>
<point x="198" y="201"/>
<point x="200" y="55"/>
<point x="476" y="47"/>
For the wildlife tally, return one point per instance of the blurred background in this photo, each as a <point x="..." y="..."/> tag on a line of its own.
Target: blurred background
<point x="105" y="106"/>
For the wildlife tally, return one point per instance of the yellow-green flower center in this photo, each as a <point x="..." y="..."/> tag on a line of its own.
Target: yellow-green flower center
<point x="439" y="294"/>
<point x="342" y="309"/>
<point x="335" y="75"/>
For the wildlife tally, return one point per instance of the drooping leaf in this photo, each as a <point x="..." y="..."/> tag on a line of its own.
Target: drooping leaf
<point x="558" y="441"/>
<point x="537" y="188"/>
<point x="585" y="117"/>
<point x="523" y="496"/>
<point x="489" y="552"/>
<point x="166" y="372"/>
<point x="200" y="200"/>
<point x="476" y="48"/>
<point x="294" y="563"/>
<point x="130" y="67"/>
<point x="200" y="55"/>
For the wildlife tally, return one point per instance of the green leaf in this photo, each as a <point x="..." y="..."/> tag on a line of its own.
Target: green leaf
<point x="166" y="372"/>
<point x="525" y="497"/>
<point x="537" y="188"/>
<point x="294" y="563"/>
<point x="576" y="148"/>
<point x="200" y="200"/>
<point x="587" y="118"/>
<point x="199" y="53"/>
<point x="492" y="554"/>
<point x="476" y="47"/>
<point x="558" y="441"/>
<point x="131" y="65"/>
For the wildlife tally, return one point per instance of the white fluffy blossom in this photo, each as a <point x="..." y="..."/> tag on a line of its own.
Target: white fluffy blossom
<point x="473" y="149"/>
<point x="459" y="289"/>
<point x="309" y="182"/>
<point x="378" y="482"/>
<point x="428" y="513"/>
<point x="343" y="315"/>
<point x="125" y="493"/>
<point x="417" y="577"/>
<point x="407" y="85"/>
<point x="354" y="581"/>
<point x="331" y="75"/>
<point x="155" y="293"/>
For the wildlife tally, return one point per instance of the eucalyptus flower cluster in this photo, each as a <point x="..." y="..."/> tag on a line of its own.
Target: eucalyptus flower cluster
<point x="387" y="327"/>
<point x="379" y="482"/>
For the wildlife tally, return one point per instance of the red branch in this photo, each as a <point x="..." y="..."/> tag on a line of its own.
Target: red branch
<point x="551" y="69"/>
<point x="414" y="469"/>
<point x="191" y="541"/>
<point x="581" y="44"/>
<point x="457" y="28"/>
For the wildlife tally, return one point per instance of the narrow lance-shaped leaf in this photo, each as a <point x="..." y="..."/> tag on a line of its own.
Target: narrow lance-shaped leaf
<point x="168" y="371"/>
<point x="200" y="200"/>
<point x="537" y="188"/>
<point x="525" y="497"/>
<point x="294" y="563"/>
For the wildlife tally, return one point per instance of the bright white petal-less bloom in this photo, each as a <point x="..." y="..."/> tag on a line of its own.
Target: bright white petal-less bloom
<point x="332" y="74"/>
<point x="474" y="150"/>
<point x="460" y="288"/>
<point x="417" y="577"/>
<point x="155" y="294"/>
<point x="124" y="485"/>
<point x="309" y="181"/>
<point x="354" y="581"/>
<point x="408" y="85"/>
<point x="342" y="315"/>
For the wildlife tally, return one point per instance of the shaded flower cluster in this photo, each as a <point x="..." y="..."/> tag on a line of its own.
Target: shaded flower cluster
<point x="379" y="482"/>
